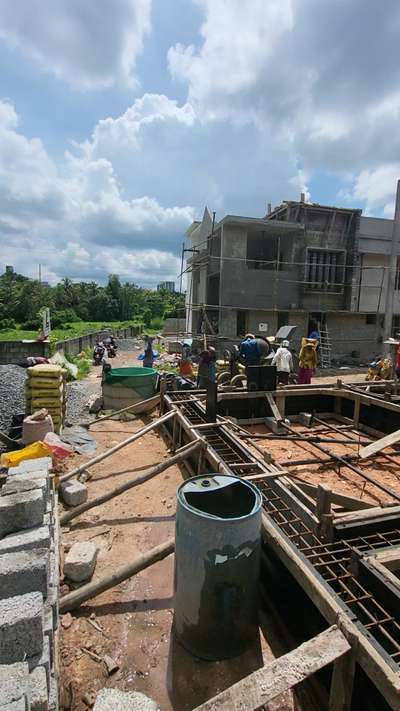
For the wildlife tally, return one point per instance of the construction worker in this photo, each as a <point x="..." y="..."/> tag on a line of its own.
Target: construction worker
<point x="307" y="360"/>
<point x="249" y="351"/>
<point x="284" y="363"/>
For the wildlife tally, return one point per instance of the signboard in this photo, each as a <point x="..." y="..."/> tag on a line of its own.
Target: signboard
<point x="46" y="323"/>
<point x="263" y="327"/>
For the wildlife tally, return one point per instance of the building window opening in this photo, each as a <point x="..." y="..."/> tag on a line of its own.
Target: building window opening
<point x="262" y="251"/>
<point x="325" y="270"/>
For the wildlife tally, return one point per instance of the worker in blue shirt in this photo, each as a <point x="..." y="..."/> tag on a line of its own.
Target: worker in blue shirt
<point x="249" y="350"/>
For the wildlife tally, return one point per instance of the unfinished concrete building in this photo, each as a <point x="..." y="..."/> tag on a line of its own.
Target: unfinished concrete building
<point x="300" y="264"/>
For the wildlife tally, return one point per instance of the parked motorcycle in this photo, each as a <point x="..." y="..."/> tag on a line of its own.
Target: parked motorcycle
<point x="111" y="347"/>
<point x="98" y="353"/>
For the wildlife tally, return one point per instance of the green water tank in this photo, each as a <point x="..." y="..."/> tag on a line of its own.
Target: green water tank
<point x="125" y="386"/>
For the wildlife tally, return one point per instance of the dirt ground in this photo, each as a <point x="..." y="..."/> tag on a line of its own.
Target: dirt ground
<point x="132" y="622"/>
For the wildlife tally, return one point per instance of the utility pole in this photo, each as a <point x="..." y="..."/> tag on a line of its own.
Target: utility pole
<point x="392" y="272"/>
<point x="40" y="273"/>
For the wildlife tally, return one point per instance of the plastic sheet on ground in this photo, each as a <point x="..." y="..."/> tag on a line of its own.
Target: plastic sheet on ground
<point x="80" y="439"/>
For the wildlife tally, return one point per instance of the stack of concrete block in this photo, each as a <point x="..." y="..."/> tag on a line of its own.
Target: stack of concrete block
<point x="29" y="589"/>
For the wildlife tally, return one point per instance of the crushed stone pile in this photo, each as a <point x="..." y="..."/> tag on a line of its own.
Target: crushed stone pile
<point x="12" y="394"/>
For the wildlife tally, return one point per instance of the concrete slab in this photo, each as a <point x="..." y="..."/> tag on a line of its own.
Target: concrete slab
<point x="20" y="511"/>
<point x="115" y="700"/>
<point x="80" y="561"/>
<point x="38" y="689"/>
<point x="24" y="572"/>
<point x="73" y="492"/>
<point x="21" y="627"/>
<point x="30" y="539"/>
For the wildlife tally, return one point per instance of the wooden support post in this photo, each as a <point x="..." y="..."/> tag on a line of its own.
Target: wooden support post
<point x="163" y="389"/>
<point x="263" y="685"/>
<point x="274" y="409"/>
<point x="145" y="476"/>
<point x="356" y="416"/>
<point x="124" y="443"/>
<point x="86" y="592"/>
<point x="341" y="690"/>
<point x="324" y="512"/>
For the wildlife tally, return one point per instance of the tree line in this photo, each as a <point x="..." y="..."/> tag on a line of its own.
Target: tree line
<point x="22" y="300"/>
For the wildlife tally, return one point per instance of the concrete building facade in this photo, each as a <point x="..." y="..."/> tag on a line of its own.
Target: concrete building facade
<point x="301" y="263"/>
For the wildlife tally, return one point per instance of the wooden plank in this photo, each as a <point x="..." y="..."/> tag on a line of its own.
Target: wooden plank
<point x="341" y="691"/>
<point x="348" y="502"/>
<point x="274" y="408"/>
<point x="369" y="514"/>
<point x="282" y="674"/>
<point x="380" y="444"/>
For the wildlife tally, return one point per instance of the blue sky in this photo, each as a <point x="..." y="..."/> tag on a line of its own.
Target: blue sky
<point x="120" y="120"/>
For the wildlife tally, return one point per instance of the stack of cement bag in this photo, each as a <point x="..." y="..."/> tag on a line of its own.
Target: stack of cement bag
<point x="46" y="388"/>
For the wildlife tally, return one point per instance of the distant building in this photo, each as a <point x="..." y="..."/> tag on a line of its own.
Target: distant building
<point x="302" y="264"/>
<point x="166" y="286"/>
<point x="9" y="269"/>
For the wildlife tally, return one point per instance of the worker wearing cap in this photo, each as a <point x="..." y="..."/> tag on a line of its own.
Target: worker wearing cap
<point x="284" y="363"/>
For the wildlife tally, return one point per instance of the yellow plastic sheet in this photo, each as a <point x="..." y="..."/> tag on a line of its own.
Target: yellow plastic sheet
<point x="32" y="451"/>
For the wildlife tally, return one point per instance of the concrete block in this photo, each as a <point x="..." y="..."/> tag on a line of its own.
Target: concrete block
<point x="16" y="484"/>
<point x="275" y="426"/>
<point x="73" y="493"/>
<point x="54" y="573"/>
<point x="80" y="561"/>
<point x="52" y="600"/>
<point x="53" y="695"/>
<point x="42" y="660"/>
<point x="20" y="511"/>
<point x="21" y="627"/>
<point x="32" y="476"/>
<point x="48" y="630"/>
<point x="38" y="537"/>
<point x="20" y="705"/>
<point x="38" y="689"/>
<point x="115" y="700"/>
<point x="305" y="418"/>
<point x="24" y="572"/>
<point x="32" y="465"/>
<point x="14" y="683"/>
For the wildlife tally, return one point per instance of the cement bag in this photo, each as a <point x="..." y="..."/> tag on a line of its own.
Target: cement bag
<point x="34" y="430"/>
<point x="45" y="383"/>
<point x="45" y="370"/>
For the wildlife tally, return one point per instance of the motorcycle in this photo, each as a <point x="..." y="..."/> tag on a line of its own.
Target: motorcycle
<point x="111" y="348"/>
<point x="98" y="354"/>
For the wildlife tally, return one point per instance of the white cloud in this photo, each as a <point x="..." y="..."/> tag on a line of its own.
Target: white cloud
<point x="321" y="77"/>
<point x="88" y="44"/>
<point x="377" y="188"/>
<point x="74" y="218"/>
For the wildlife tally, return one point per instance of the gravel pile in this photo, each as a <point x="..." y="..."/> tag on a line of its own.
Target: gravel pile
<point x="12" y="394"/>
<point x="78" y="394"/>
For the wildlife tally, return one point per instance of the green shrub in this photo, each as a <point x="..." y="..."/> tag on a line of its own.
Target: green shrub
<point x="32" y="324"/>
<point x="6" y="324"/>
<point x="63" y="318"/>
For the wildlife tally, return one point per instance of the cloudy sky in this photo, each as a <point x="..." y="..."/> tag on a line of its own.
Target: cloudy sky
<point x="121" y="119"/>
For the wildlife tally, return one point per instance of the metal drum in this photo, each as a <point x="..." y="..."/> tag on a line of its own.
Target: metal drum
<point x="217" y="558"/>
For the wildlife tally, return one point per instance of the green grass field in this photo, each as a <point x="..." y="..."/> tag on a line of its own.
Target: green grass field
<point x="72" y="330"/>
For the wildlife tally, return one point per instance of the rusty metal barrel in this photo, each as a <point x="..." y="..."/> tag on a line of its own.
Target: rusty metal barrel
<point x="217" y="560"/>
